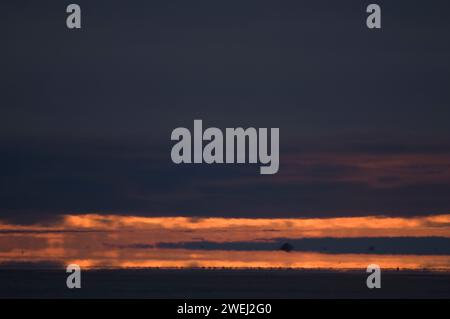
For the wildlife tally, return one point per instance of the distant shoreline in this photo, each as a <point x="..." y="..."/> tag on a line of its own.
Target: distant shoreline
<point x="261" y="269"/>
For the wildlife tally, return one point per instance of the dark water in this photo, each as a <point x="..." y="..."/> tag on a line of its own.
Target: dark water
<point x="202" y="283"/>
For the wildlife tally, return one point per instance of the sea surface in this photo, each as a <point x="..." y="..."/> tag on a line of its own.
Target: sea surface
<point x="221" y="283"/>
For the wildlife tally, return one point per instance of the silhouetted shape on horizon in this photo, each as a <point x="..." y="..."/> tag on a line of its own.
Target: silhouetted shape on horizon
<point x="287" y="247"/>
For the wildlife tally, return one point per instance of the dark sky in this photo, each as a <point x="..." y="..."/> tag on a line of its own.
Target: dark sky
<point x="86" y="115"/>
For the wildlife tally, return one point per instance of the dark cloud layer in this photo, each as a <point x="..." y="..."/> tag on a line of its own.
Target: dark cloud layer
<point x="391" y="246"/>
<point x="42" y="181"/>
<point x="86" y="116"/>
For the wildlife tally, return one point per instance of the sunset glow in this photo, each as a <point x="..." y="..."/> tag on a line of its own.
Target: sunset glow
<point x="130" y="241"/>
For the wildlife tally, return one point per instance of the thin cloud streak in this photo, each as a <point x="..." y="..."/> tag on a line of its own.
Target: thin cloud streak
<point x="237" y="229"/>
